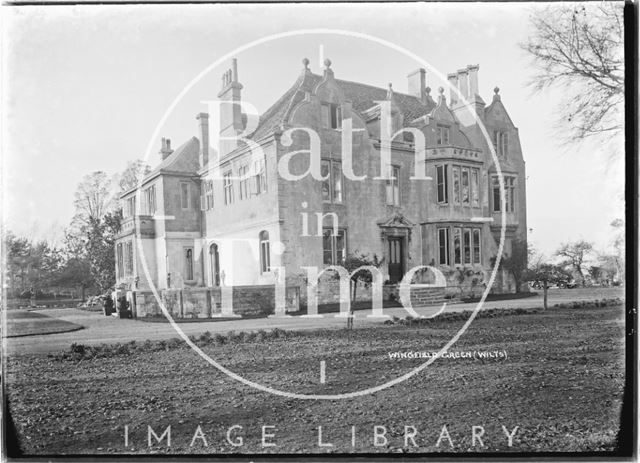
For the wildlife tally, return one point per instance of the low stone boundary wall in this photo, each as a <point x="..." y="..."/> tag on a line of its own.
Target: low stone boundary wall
<point x="207" y="302"/>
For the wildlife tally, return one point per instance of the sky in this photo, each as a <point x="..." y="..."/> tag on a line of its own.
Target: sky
<point x="85" y="87"/>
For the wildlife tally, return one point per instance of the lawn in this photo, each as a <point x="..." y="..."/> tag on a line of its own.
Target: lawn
<point x="556" y="375"/>
<point x="27" y="323"/>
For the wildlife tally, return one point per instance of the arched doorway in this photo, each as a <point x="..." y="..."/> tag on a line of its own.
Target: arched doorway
<point x="214" y="262"/>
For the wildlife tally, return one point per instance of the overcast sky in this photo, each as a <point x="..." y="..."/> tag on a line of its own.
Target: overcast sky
<point x="86" y="86"/>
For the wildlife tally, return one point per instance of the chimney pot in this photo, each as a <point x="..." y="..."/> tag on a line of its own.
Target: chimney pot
<point x="165" y="148"/>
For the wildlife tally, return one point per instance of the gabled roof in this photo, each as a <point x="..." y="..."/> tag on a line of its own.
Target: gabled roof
<point x="362" y="97"/>
<point x="183" y="159"/>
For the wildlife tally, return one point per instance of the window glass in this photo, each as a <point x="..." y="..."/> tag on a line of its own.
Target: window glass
<point x="326" y="184"/>
<point x="341" y="247"/>
<point x="393" y="187"/>
<point x="443" y="246"/>
<point x="336" y="173"/>
<point x="441" y="179"/>
<point x="209" y="194"/>
<point x="456" y="185"/>
<point x="327" y="247"/>
<point x="265" y="252"/>
<point x="243" y="173"/>
<point x="465" y="186"/>
<point x="189" y="264"/>
<point x="336" y="116"/>
<point x="467" y="246"/>
<point x="475" y="193"/>
<point x="334" y="247"/>
<point x="476" y="246"/>
<point x="457" y="257"/>
<point x="228" y="188"/>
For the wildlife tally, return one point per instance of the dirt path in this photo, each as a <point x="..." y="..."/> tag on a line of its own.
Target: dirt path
<point x="100" y="329"/>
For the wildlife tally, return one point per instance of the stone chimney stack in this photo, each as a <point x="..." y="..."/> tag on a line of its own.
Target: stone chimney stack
<point x="165" y="149"/>
<point x="230" y="108"/>
<point x="453" y="81"/>
<point x="417" y="84"/>
<point x="463" y="82"/>
<point x="472" y="70"/>
<point x="203" y="126"/>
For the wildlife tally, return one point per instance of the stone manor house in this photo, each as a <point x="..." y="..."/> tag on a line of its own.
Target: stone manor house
<point x="236" y="223"/>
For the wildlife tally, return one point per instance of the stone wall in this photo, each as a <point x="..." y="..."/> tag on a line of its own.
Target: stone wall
<point x="248" y="301"/>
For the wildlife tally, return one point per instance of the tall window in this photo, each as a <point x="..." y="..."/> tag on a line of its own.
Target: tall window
<point x="188" y="264"/>
<point x="265" y="252"/>
<point x="331" y="116"/>
<point x="227" y="185"/>
<point x="467" y="245"/>
<point x="243" y="173"/>
<point x="457" y="245"/>
<point x="456" y="184"/>
<point x="443" y="246"/>
<point x="475" y="192"/>
<point x="150" y="199"/>
<point x="120" y="260"/>
<point x="509" y="193"/>
<point x="443" y="135"/>
<point x="465" y="186"/>
<point x="331" y="170"/>
<point x="501" y="142"/>
<point x="128" y="247"/>
<point x="476" y="246"/>
<point x="261" y="176"/>
<point x="393" y="187"/>
<point x="442" y="184"/>
<point x="334" y="247"/>
<point x="184" y="195"/>
<point x="208" y="194"/>
<point x="129" y="209"/>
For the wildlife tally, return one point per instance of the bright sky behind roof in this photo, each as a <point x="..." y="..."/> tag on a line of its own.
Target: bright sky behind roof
<point x="85" y="86"/>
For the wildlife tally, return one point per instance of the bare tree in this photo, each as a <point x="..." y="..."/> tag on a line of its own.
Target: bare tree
<point x="576" y="253"/>
<point x="579" y="48"/>
<point x="93" y="198"/>
<point x="132" y="175"/>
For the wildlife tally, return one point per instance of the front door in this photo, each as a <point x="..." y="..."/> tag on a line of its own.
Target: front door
<point x="396" y="259"/>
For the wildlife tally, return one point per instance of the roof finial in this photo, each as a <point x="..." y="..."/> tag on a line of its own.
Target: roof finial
<point x="327" y="63"/>
<point x="428" y="90"/>
<point x="442" y="100"/>
<point x="390" y="91"/>
<point x="305" y="61"/>
<point x="496" y="95"/>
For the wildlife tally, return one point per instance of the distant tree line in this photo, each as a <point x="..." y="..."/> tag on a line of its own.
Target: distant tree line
<point x="85" y="259"/>
<point x="576" y="263"/>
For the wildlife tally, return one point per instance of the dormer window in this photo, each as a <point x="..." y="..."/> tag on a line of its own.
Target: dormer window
<point x="331" y="116"/>
<point x="443" y="135"/>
